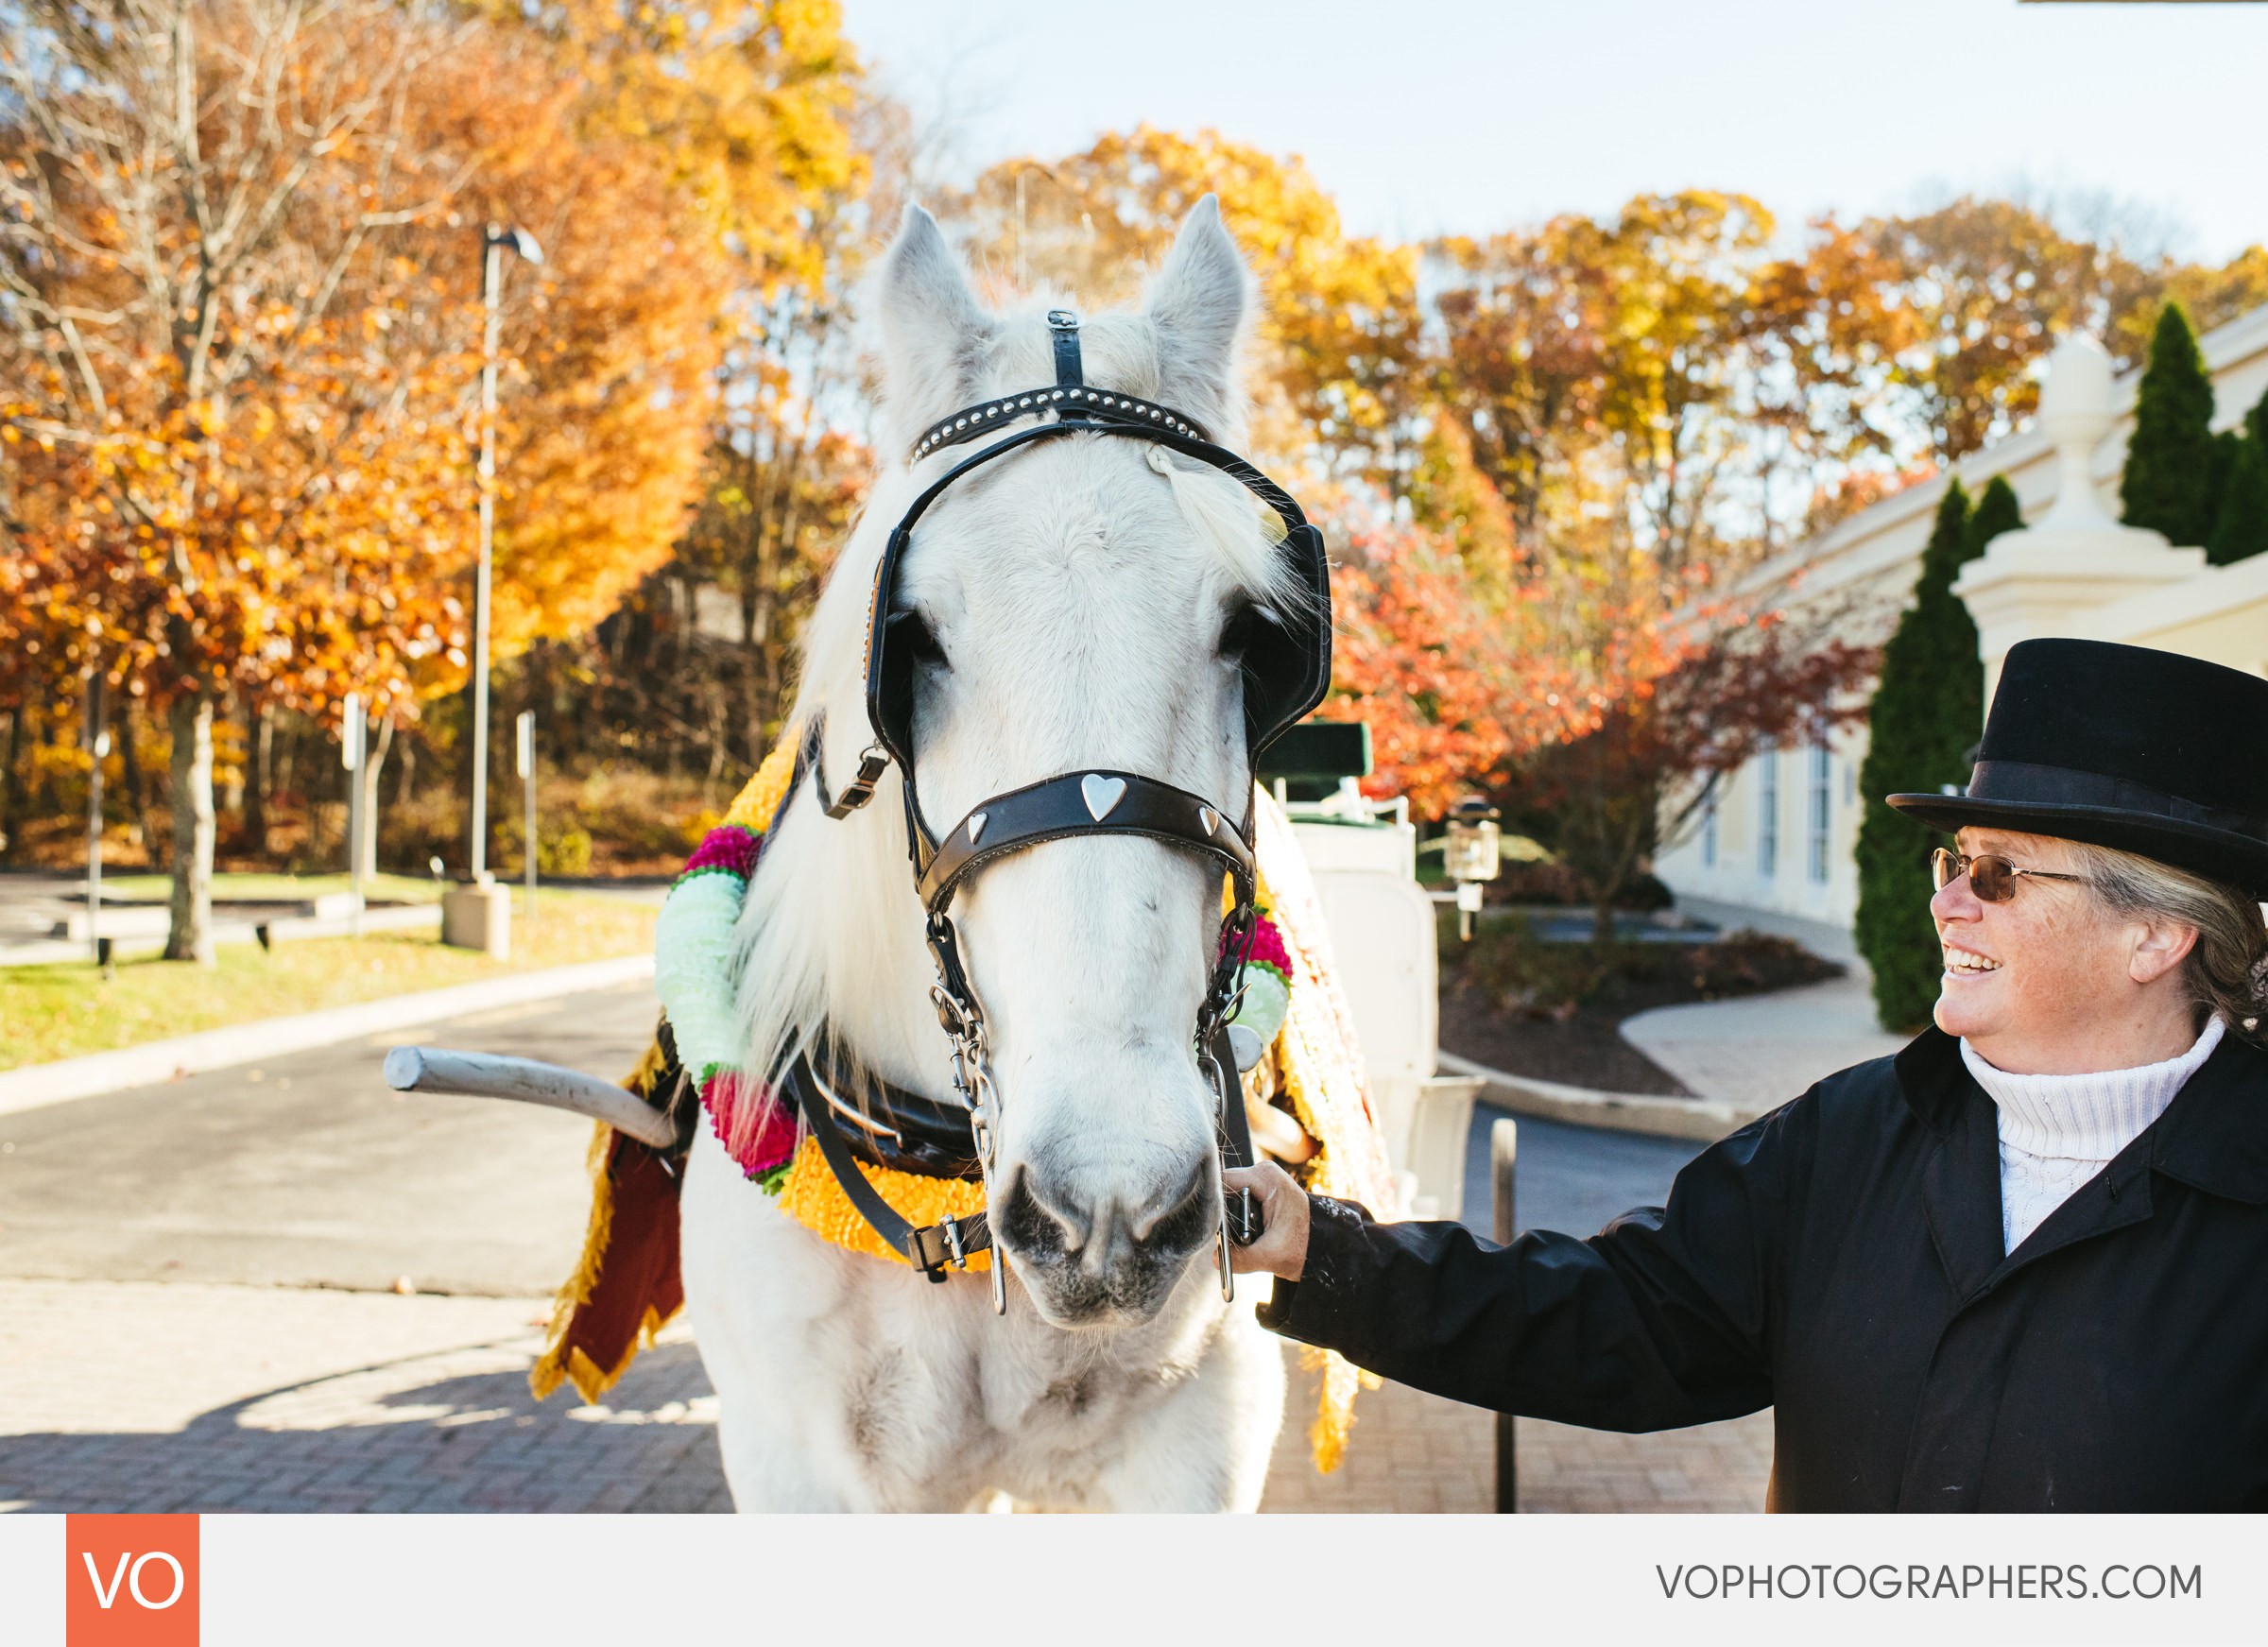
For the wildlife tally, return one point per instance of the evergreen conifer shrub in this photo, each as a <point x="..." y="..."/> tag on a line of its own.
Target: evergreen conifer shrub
<point x="2240" y="529"/>
<point x="1961" y="701"/>
<point x="2168" y="483"/>
<point x="1926" y="714"/>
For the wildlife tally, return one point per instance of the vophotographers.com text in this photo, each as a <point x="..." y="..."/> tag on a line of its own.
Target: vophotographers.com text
<point x="1888" y="1580"/>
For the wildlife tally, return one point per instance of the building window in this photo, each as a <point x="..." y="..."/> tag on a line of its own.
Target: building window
<point x="1767" y="814"/>
<point x="1823" y="778"/>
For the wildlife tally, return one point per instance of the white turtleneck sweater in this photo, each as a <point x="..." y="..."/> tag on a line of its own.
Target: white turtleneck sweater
<point x="2058" y="1131"/>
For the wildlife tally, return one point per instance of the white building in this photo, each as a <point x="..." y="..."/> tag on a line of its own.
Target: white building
<point x="1781" y="832"/>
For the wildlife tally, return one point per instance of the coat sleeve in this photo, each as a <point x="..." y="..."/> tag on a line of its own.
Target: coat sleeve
<point x="1663" y="1318"/>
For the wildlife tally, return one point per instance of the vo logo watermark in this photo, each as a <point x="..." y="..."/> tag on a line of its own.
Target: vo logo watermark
<point x="130" y="1581"/>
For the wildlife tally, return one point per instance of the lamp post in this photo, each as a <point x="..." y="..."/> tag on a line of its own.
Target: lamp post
<point x="477" y="914"/>
<point x="98" y="745"/>
<point x="526" y="752"/>
<point x="352" y="733"/>
<point x="1471" y="855"/>
<point x="1023" y="271"/>
<point x="494" y="239"/>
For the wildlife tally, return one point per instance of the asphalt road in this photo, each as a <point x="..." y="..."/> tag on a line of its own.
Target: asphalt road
<point x="1570" y="1178"/>
<point x="307" y="1170"/>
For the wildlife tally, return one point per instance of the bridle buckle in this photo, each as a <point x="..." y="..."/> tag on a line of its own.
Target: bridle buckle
<point x="872" y="761"/>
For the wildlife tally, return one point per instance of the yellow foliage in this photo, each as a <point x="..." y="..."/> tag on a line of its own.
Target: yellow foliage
<point x="746" y="101"/>
<point x="1339" y="331"/>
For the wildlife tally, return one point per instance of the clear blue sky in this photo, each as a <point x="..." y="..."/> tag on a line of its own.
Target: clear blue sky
<point x="1427" y="116"/>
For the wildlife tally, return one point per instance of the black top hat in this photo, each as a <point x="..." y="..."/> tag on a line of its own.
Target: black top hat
<point x="2149" y="752"/>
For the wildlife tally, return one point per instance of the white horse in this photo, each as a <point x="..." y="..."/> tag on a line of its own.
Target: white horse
<point x="1075" y="597"/>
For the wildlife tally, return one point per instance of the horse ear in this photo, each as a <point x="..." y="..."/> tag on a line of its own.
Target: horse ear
<point x="1199" y="303"/>
<point x="933" y="332"/>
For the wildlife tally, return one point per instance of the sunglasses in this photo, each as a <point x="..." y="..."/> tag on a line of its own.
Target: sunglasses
<point x="1991" y="877"/>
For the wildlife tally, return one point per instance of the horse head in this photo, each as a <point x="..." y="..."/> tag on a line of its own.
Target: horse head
<point x="1084" y="603"/>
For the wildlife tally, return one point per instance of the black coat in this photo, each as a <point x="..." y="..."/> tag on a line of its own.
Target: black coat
<point x="1841" y="1262"/>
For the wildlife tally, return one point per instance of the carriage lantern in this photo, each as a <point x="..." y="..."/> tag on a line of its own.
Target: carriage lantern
<point x="1471" y="855"/>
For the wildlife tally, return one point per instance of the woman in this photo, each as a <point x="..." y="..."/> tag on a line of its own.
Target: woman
<point x="2022" y="1265"/>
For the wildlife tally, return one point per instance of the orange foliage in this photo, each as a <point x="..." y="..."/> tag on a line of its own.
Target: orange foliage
<point x="240" y="441"/>
<point x="746" y="104"/>
<point x="1416" y="657"/>
<point x="1339" y="331"/>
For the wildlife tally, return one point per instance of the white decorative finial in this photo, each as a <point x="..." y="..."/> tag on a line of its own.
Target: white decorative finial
<point x="2076" y="412"/>
<point x="2059" y="575"/>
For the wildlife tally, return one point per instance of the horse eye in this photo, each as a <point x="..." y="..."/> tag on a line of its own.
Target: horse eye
<point x="910" y="630"/>
<point x="1244" y="627"/>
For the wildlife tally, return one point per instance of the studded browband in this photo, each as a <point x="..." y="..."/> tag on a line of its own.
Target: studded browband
<point x="1070" y="394"/>
<point x="1094" y="404"/>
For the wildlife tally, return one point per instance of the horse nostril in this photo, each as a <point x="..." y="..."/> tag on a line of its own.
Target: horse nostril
<point x="1039" y="1233"/>
<point x="1171" y="1219"/>
<point x="1182" y="1221"/>
<point x="1044" y="1221"/>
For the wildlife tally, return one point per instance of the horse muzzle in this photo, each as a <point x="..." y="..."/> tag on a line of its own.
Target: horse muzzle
<point x="1097" y="1253"/>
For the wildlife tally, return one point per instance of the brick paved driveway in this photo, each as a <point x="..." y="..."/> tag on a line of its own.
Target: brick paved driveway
<point x="149" y="1397"/>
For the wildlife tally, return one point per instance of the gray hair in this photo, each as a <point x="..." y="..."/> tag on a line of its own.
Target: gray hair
<point x="2226" y="970"/>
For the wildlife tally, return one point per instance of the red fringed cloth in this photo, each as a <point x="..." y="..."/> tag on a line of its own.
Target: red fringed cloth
<point x="625" y="1289"/>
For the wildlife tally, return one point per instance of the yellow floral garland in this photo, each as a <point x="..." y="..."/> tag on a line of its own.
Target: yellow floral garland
<point x="814" y="1199"/>
<point x="760" y="797"/>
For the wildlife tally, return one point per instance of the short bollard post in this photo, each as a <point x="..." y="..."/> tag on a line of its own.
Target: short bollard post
<point x="1503" y="1148"/>
<point x="526" y="725"/>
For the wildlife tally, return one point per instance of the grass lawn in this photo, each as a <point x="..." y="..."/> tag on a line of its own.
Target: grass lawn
<point x="61" y="1011"/>
<point x="233" y="888"/>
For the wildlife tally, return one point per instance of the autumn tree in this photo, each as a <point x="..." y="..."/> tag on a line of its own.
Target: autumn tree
<point x="240" y="348"/>
<point x="1340" y="327"/>
<point x="1669" y="711"/>
<point x="1420" y="659"/>
<point x="200" y="435"/>
<point x="1992" y="283"/>
<point x="1663" y="368"/>
<point x="747" y="108"/>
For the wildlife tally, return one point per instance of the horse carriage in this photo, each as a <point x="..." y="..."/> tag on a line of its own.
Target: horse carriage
<point x="1047" y="670"/>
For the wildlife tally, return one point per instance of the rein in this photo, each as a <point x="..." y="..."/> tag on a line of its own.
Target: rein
<point x="1286" y="672"/>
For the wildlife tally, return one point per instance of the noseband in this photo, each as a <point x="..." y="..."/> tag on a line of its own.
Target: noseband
<point x="1287" y="669"/>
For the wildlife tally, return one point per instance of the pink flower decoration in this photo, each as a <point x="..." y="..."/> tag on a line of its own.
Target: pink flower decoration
<point x="1268" y="950"/>
<point x="728" y="847"/>
<point x="757" y="1132"/>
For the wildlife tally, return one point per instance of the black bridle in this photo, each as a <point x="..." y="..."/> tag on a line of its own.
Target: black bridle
<point x="1287" y="670"/>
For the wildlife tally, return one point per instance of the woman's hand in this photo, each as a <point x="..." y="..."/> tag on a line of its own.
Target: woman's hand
<point x="1282" y="1249"/>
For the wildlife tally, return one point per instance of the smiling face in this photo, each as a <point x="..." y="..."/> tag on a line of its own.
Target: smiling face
<point x="2045" y="981"/>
